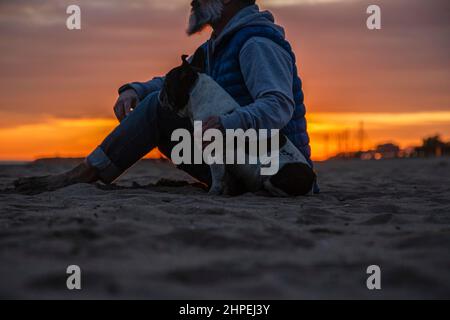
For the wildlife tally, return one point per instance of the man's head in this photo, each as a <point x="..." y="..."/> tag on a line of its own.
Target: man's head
<point x="210" y="12"/>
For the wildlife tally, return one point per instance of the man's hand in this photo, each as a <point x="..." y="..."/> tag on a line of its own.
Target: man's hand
<point x="125" y="104"/>
<point x="211" y="123"/>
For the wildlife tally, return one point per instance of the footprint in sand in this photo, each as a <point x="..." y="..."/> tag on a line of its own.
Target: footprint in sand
<point x="378" y="219"/>
<point x="384" y="208"/>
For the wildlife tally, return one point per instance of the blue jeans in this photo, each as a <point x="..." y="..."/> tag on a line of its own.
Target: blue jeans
<point x="147" y="127"/>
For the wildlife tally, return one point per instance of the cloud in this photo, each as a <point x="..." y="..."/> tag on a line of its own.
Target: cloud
<point x="48" y="70"/>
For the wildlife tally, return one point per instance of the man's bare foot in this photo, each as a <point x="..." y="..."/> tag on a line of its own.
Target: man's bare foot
<point x="83" y="173"/>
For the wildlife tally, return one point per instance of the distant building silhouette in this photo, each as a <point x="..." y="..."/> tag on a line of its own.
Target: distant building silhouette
<point x="431" y="147"/>
<point x="388" y="150"/>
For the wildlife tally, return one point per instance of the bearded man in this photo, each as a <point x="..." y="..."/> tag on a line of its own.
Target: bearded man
<point x="247" y="55"/>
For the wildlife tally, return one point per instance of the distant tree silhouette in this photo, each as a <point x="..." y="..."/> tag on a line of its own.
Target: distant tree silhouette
<point x="433" y="147"/>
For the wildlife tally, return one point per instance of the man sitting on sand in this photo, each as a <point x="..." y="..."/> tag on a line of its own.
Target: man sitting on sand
<point x="247" y="55"/>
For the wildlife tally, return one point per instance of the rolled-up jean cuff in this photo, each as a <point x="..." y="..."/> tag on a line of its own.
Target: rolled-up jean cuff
<point x="106" y="169"/>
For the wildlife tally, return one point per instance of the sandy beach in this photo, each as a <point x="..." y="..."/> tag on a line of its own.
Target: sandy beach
<point x="149" y="238"/>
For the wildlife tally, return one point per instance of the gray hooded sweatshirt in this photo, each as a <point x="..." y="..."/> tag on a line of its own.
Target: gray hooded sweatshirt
<point x="267" y="70"/>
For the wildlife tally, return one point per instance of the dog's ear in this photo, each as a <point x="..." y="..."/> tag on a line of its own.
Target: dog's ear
<point x="198" y="60"/>
<point x="186" y="70"/>
<point x="184" y="60"/>
<point x="185" y="66"/>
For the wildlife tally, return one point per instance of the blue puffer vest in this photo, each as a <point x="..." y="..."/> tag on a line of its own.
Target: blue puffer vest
<point x="225" y="70"/>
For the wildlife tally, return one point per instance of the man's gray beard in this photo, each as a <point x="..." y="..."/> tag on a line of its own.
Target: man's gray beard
<point x="208" y="12"/>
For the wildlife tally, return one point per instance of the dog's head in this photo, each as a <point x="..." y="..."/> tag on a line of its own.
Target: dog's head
<point x="179" y="83"/>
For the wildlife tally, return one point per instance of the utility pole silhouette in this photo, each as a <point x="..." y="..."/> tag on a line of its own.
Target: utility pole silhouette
<point x="361" y="136"/>
<point x="326" y="141"/>
<point x="346" y="136"/>
<point x="339" y="142"/>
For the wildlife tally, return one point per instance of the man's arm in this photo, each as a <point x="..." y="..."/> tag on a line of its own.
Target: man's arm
<point x="268" y="73"/>
<point x="131" y="94"/>
<point x="143" y="89"/>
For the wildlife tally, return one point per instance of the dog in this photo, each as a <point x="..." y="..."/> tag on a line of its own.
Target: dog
<point x="189" y="92"/>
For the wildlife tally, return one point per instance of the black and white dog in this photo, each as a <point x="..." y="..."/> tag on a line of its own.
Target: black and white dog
<point x="189" y="92"/>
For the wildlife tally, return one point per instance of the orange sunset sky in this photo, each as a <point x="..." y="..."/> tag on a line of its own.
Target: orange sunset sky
<point x="58" y="87"/>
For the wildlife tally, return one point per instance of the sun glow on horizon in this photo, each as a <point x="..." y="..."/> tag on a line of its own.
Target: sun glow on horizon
<point x="330" y="133"/>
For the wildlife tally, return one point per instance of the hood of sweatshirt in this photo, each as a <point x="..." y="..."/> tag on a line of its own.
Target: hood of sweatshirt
<point x="248" y="16"/>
